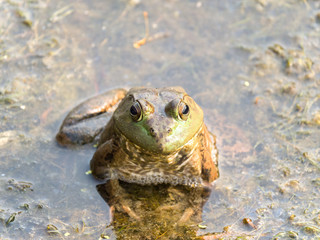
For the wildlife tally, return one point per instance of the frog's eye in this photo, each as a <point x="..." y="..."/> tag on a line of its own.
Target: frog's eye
<point x="135" y="111"/>
<point x="183" y="110"/>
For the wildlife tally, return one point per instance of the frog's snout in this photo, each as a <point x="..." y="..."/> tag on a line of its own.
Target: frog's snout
<point x="152" y="132"/>
<point x="161" y="132"/>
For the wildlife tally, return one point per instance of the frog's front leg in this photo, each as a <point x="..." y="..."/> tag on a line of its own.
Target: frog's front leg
<point x="118" y="199"/>
<point x="99" y="163"/>
<point x="87" y="120"/>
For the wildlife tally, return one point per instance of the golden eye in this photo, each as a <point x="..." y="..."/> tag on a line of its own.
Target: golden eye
<point x="135" y="111"/>
<point x="183" y="110"/>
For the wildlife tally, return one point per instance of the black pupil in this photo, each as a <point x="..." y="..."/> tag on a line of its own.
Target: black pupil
<point x="133" y="110"/>
<point x="185" y="109"/>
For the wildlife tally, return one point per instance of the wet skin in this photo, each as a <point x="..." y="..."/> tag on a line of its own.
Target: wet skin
<point x="154" y="136"/>
<point x="157" y="156"/>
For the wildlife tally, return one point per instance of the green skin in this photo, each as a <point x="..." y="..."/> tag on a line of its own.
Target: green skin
<point x="162" y="146"/>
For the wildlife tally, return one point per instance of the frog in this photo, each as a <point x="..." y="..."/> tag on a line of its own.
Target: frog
<point x="145" y="136"/>
<point x="156" y="155"/>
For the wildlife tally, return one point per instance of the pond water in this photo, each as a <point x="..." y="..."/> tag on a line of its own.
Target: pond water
<point x="252" y="65"/>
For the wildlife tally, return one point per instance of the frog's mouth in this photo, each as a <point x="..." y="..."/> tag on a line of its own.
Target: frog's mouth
<point x="158" y="145"/>
<point x="144" y="167"/>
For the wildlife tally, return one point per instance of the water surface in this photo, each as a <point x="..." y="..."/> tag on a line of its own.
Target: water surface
<point x="252" y="65"/>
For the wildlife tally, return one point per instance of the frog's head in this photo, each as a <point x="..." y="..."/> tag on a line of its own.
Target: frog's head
<point x="158" y="120"/>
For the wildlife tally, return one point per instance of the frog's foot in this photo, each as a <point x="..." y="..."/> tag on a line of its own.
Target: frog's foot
<point x="112" y="210"/>
<point x="130" y="212"/>
<point x="121" y="200"/>
<point x="122" y="207"/>
<point x="168" y="207"/>
<point x="185" y="203"/>
<point x="186" y="216"/>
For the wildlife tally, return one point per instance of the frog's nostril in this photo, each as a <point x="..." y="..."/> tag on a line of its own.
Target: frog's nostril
<point x="153" y="133"/>
<point x="169" y="130"/>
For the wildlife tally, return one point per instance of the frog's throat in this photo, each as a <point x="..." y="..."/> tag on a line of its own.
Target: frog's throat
<point x="136" y="165"/>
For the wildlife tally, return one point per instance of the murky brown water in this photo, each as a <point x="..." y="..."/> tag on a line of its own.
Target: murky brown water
<point x="250" y="64"/>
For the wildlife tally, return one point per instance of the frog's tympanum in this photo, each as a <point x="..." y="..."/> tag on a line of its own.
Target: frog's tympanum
<point x="154" y="136"/>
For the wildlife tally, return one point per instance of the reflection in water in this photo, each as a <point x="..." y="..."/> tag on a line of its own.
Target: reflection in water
<point x="153" y="211"/>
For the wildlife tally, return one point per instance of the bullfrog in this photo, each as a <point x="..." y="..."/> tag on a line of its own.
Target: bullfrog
<point x="145" y="136"/>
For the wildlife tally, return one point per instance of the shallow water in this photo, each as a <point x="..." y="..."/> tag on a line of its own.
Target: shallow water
<point x="251" y="65"/>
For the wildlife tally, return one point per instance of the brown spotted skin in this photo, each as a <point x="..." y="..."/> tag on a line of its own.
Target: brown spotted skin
<point x="136" y="158"/>
<point x="161" y="147"/>
<point x="194" y="164"/>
